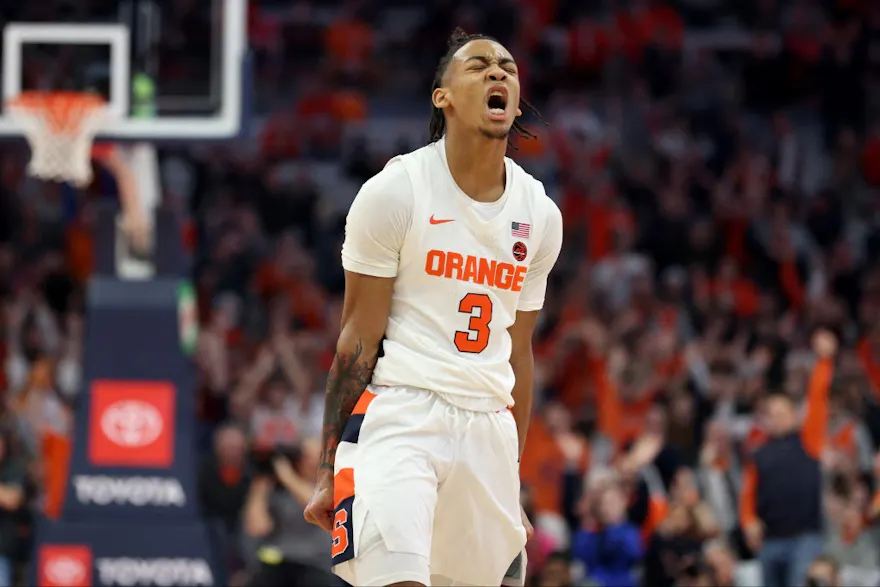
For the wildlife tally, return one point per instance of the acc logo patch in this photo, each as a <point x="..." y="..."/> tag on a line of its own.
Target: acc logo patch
<point x="520" y="251"/>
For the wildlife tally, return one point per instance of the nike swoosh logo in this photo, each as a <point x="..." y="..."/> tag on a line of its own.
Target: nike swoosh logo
<point x="435" y="221"/>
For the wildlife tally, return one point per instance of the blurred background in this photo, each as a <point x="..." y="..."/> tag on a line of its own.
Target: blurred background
<point x="717" y="163"/>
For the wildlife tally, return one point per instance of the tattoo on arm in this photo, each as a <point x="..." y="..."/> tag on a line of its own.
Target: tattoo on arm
<point x="348" y="378"/>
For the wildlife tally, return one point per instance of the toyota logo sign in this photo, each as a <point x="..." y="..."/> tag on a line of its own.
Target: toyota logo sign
<point x="131" y="423"/>
<point x="65" y="570"/>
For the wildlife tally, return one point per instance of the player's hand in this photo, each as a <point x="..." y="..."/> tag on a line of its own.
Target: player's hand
<point x="319" y="511"/>
<point x="530" y="530"/>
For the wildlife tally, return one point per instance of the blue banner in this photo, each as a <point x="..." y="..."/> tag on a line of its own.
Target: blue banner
<point x="130" y="514"/>
<point x="104" y="555"/>
<point x="134" y="438"/>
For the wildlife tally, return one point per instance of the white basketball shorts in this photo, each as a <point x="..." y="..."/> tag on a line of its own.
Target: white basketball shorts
<point x="425" y="491"/>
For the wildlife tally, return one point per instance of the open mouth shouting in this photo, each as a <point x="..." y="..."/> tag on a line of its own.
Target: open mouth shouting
<point x="496" y="102"/>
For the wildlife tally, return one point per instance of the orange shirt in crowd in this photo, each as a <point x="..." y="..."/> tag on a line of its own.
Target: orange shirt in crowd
<point x="574" y="211"/>
<point x="589" y="45"/>
<point x="230" y="475"/>
<point x="814" y="432"/>
<point x="744" y="293"/>
<point x="870" y="365"/>
<point x="570" y="153"/>
<point x="602" y="223"/>
<point x="307" y="301"/>
<point x="55" y="445"/>
<point x="349" y="106"/>
<point x="315" y="104"/>
<point x="620" y="421"/>
<point x="573" y="379"/>
<point x="671" y="367"/>
<point x="529" y="149"/>
<point x="602" y="219"/>
<point x="279" y="137"/>
<point x="349" y="41"/>
<point x="658" y="23"/>
<point x="658" y="508"/>
<point x="845" y="438"/>
<point x="575" y="384"/>
<point x="542" y="467"/>
<point x="756" y="438"/>
<point x="56" y="450"/>
<point x="735" y="231"/>
<point x="541" y="12"/>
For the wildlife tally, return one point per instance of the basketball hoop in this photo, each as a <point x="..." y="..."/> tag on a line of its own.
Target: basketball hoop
<point x="60" y="128"/>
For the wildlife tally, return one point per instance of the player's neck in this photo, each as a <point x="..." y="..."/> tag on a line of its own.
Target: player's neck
<point x="476" y="164"/>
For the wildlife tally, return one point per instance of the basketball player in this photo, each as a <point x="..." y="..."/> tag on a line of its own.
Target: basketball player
<point x="446" y="256"/>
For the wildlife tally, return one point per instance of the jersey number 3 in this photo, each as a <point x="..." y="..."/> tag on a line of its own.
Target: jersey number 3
<point x="476" y="338"/>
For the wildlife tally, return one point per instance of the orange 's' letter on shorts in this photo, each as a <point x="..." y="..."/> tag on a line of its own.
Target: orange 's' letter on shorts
<point x="340" y="533"/>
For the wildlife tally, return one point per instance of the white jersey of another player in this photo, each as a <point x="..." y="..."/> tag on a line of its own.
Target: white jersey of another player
<point x="462" y="270"/>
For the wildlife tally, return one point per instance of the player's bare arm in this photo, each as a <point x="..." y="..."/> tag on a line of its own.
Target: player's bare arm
<point x="364" y="318"/>
<point x="522" y="360"/>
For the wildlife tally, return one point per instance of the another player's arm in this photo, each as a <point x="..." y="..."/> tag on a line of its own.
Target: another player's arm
<point x="364" y="317"/>
<point x="522" y="360"/>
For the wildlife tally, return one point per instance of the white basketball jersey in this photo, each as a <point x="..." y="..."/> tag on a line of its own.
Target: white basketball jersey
<point x="464" y="270"/>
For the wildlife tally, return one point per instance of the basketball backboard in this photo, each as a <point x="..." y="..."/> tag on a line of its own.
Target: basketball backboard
<point x="170" y="69"/>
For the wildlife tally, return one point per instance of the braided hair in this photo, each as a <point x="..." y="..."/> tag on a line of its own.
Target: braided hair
<point x="437" y="124"/>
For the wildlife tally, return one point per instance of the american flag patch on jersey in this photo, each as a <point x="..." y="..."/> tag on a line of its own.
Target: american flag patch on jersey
<point x="520" y="229"/>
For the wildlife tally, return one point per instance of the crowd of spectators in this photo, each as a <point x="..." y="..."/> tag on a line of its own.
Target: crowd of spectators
<point x="717" y="301"/>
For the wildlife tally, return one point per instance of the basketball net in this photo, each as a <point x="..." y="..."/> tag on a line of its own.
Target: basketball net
<point x="60" y="128"/>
